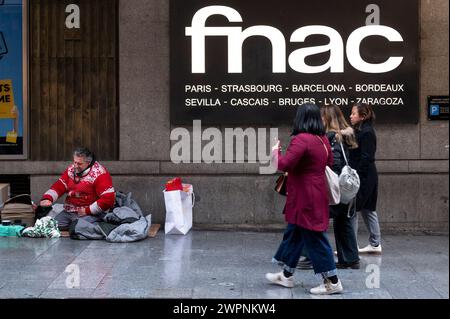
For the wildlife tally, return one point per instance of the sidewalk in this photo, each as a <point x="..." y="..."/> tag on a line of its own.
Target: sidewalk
<point x="209" y="264"/>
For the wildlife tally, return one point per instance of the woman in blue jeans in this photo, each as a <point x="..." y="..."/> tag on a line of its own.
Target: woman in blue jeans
<point x="306" y="210"/>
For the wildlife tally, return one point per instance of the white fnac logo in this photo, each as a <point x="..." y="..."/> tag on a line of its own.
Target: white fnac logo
<point x="236" y="37"/>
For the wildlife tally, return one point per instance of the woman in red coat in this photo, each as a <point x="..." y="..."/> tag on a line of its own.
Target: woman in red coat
<point x="306" y="210"/>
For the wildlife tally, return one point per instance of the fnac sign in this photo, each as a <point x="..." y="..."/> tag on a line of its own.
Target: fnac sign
<point x="236" y="37"/>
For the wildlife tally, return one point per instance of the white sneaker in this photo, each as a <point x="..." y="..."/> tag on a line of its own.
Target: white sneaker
<point x="327" y="288"/>
<point x="280" y="279"/>
<point x="369" y="249"/>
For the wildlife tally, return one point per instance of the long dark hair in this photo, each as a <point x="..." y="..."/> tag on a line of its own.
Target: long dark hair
<point x="366" y="112"/>
<point x="308" y="120"/>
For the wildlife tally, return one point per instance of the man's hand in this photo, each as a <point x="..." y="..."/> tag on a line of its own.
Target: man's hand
<point x="81" y="212"/>
<point x="45" y="203"/>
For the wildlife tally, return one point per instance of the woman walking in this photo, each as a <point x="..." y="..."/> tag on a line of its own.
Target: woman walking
<point x="362" y="159"/>
<point x="306" y="210"/>
<point x="341" y="138"/>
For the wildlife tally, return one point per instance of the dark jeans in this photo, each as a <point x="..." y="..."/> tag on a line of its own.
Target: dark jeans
<point x="344" y="234"/>
<point x="295" y="238"/>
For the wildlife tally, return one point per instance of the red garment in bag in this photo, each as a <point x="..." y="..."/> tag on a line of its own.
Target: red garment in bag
<point x="174" y="185"/>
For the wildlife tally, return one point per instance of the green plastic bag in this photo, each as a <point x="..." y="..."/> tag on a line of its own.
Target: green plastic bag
<point x="11" y="231"/>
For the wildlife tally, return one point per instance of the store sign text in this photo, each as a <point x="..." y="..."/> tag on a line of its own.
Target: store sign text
<point x="236" y="37"/>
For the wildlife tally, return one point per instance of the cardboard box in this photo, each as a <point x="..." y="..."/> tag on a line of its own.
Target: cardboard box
<point x="18" y="213"/>
<point x="4" y="193"/>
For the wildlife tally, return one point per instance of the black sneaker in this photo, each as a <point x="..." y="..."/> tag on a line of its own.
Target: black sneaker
<point x="353" y="265"/>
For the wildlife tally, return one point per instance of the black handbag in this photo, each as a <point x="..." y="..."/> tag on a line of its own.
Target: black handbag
<point x="281" y="184"/>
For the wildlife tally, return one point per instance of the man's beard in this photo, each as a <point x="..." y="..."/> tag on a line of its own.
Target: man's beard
<point x="79" y="170"/>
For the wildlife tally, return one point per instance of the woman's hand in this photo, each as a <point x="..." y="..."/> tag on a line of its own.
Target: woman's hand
<point x="276" y="146"/>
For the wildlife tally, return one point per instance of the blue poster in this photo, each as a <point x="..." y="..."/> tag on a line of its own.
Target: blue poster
<point x="12" y="109"/>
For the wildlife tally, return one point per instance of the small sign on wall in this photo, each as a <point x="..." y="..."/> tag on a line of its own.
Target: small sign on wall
<point x="438" y="107"/>
<point x="6" y="98"/>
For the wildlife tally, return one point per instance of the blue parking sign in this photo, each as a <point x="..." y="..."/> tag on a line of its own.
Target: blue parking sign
<point x="434" y="109"/>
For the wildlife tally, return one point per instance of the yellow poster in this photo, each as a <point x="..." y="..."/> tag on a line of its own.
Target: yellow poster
<point x="7" y="106"/>
<point x="11" y="137"/>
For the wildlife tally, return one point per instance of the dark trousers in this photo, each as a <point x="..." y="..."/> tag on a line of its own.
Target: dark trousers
<point x="344" y="234"/>
<point x="64" y="219"/>
<point x="296" y="238"/>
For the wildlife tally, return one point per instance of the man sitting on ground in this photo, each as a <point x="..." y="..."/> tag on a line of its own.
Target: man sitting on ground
<point x="89" y="189"/>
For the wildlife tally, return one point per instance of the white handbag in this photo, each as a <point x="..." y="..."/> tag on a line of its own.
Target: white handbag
<point x="179" y="206"/>
<point x="334" y="192"/>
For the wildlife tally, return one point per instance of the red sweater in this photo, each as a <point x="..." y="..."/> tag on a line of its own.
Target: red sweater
<point x="93" y="191"/>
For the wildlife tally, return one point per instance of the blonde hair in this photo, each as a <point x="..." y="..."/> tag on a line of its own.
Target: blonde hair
<point x="334" y="121"/>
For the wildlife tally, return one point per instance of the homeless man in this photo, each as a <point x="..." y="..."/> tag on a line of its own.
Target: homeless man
<point x="89" y="190"/>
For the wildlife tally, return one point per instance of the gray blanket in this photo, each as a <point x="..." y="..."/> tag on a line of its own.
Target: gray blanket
<point x="126" y="223"/>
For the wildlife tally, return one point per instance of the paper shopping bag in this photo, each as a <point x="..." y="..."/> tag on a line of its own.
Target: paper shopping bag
<point x="179" y="206"/>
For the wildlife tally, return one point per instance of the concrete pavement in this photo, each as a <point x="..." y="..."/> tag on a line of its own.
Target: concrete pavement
<point x="210" y="264"/>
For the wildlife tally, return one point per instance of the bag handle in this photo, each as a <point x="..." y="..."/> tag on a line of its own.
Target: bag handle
<point x="193" y="199"/>
<point x="326" y="150"/>
<point x="343" y="153"/>
<point x="21" y="195"/>
<point x="351" y="205"/>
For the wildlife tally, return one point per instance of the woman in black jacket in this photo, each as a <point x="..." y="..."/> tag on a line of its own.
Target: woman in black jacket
<point x="340" y="133"/>
<point x="362" y="159"/>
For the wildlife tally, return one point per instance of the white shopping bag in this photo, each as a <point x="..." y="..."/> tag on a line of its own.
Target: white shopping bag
<point x="179" y="206"/>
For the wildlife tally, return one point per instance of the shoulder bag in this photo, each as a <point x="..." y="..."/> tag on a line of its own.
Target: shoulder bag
<point x="348" y="181"/>
<point x="281" y="184"/>
<point x="334" y="193"/>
